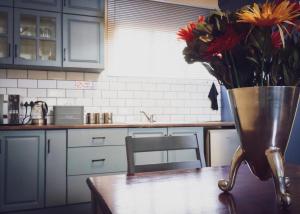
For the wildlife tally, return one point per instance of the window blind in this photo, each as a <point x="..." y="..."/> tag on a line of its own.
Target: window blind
<point x="142" y="40"/>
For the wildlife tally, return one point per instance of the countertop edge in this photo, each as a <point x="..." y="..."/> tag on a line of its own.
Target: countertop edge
<point x="120" y="125"/>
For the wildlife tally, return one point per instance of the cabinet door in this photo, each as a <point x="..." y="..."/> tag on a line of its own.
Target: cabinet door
<point x="6" y="35"/>
<point x="22" y="170"/>
<point x="189" y="154"/>
<point x="88" y="7"/>
<point x="6" y="3"/>
<point x="37" y="38"/>
<point x="83" y="42"/>
<point x="56" y="167"/>
<point x="48" y="5"/>
<point x="149" y="157"/>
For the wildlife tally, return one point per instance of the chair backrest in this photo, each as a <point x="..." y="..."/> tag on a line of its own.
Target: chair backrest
<point x="165" y="143"/>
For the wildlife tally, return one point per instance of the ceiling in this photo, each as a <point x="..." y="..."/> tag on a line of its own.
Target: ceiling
<point x="210" y="4"/>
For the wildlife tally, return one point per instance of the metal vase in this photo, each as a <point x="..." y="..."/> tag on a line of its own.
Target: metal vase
<point x="264" y="118"/>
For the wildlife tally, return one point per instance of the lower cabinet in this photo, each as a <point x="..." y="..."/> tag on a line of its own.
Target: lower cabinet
<point x="149" y="157"/>
<point x="56" y="146"/>
<point x="22" y="170"/>
<point x="96" y="152"/>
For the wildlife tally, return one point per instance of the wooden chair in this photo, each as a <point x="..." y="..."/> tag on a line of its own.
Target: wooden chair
<point x="165" y="143"/>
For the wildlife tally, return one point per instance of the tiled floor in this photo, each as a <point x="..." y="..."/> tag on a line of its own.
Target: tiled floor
<point x="72" y="209"/>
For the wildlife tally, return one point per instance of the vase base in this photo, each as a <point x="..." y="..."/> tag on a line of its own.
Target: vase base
<point x="275" y="160"/>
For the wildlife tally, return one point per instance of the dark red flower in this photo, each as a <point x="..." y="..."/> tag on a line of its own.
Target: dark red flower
<point x="276" y="40"/>
<point x="187" y="33"/>
<point x="225" y="42"/>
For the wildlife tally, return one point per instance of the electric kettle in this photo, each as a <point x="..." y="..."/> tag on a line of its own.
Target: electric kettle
<point x="39" y="110"/>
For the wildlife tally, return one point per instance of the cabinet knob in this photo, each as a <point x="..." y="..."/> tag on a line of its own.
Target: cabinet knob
<point x="64" y="54"/>
<point x="16" y="50"/>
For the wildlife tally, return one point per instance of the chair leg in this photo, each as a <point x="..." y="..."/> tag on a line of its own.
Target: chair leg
<point x="238" y="157"/>
<point x="281" y="182"/>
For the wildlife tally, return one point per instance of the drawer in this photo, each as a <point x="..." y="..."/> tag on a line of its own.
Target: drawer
<point x="96" y="137"/>
<point x="78" y="190"/>
<point x="93" y="160"/>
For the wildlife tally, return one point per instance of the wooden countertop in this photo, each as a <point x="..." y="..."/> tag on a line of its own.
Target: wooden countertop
<point x="116" y="125"/>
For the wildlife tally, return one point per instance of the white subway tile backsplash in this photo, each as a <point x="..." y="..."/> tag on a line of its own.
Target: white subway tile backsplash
<point x="8" y="83"/>
<point x="92" y="94"/>
<point x="125" y="94"/>
<point x="170" y="100"/>
<point x="21" y="91"/>
<point x="16" y="74"/>
<point x="65" y="101"/>
<point x="46" y="83"/>
<point x="56" y="92"/>
<point x="2" y="73"/>
<point x="66" y="84"/>
<point x="2" y="90"/>
<point x="74" y="93"/>
<point x="37" y="92"/>
<point x="22" y="83"/>
<point x="83" y="102"/>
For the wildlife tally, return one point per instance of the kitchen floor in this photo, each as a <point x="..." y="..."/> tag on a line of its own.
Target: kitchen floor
<point x="84" y="208"/>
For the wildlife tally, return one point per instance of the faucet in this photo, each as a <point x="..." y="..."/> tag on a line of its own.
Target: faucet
<point x="150" y="117"/>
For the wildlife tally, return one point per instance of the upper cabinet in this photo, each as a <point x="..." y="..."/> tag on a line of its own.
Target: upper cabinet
<point x="83" y="42"/>
<point x="6" y="35"/>
<point x="6" y="3"/>
<point x="52" y="34"/>
<point x="87" y="7"/>
<point x="48" y="5"/>
<point x="37" y="38"/>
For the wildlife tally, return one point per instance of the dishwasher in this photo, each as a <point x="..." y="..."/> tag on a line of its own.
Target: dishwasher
<point x="220" y="145"/>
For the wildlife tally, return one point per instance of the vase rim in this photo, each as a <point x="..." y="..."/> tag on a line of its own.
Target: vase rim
<point x="256" y="87"/>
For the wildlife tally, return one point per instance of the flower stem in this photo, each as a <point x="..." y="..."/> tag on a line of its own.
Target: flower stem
<point x="234" y="70"/>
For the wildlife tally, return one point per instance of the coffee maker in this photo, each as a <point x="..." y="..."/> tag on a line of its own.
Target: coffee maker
<point x="9" y="109"/>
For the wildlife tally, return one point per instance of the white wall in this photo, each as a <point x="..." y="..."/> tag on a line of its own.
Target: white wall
<point x="171" y="100"/>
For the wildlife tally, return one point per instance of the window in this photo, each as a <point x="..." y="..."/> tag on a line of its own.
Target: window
<point x="142" y="39"/>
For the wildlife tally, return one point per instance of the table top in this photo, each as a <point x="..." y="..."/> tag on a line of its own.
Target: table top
<point x="192" y="191"/>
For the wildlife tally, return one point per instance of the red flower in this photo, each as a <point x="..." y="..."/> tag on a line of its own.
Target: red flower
<point x="276" y="40"/>
<point x="201" y="19"/>
<point x="223" y="43"/>
<point x="187" y="33"/>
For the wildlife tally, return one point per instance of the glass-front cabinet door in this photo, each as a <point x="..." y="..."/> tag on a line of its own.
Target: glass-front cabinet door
<point x="6" y="35"/>
<point x="37" y="38"/>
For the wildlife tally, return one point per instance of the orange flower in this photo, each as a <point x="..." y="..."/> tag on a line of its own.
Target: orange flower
<point x="270" y="14"/>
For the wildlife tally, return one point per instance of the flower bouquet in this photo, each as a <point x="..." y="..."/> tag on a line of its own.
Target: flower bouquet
<point x="257" y="45"/>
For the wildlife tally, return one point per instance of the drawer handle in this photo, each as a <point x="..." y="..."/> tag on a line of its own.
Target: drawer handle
<point x="98" y="138"/>
<point x="98" y="160"/>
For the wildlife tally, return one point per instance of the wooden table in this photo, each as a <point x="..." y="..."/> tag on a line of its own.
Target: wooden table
<point x="189" y="192"/>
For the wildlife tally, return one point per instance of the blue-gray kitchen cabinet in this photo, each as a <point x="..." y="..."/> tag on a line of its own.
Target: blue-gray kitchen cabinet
<point x="56" y="180"/>
<point x="37" y="38"/>
<point x="47" y="5"/>
<point x="22" y="161"/>
<point x="6" y="35"/>
<point x="89" y="8"/>
<point x="6" y="3"/>
<point x="83" y="42"/>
